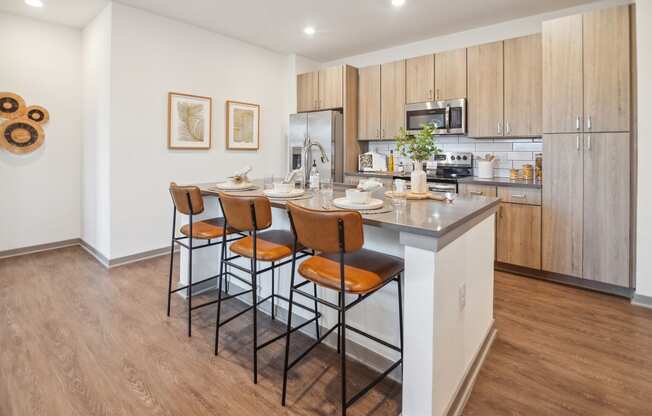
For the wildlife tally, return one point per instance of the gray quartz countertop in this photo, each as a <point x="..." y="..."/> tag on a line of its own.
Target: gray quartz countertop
<point x="425" y="217"/>
<point x="471" y="180"/>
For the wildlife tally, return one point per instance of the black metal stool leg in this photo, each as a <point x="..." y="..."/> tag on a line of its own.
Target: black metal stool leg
<point x="255" y="310"/>
<point x="314" y="286"/>
<point x="273" y="297"/>
<point x="219" y="295"/>
<point x="339" y="321"/>
<point x="342" y="313"/>
<point x="174" y="226"/>
<point x="190" y="284"/>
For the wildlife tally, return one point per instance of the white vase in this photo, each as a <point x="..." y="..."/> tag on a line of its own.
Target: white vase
<point x="418" y="181"/>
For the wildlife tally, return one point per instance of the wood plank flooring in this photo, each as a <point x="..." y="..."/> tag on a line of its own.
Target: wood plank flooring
<point x="76" y="339"/>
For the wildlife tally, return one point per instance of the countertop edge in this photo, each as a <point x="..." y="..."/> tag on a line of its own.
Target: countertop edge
<point x="469" y="180"/>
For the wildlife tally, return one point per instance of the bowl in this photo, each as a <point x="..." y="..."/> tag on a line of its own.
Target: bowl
<point x="283" y="188"/>
<point x="358" y="197"/>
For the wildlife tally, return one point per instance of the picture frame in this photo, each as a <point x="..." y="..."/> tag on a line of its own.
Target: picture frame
<point x="242" y="125"/>
<point x="190" y="121"/>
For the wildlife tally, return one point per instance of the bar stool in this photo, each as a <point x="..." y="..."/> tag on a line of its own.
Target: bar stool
<point x="253" y="214"/>
<point x="345" y="266"/>
<point x="188" y="200"/>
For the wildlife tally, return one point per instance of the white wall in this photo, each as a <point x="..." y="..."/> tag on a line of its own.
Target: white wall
<point x="644" y="208"/>
<point x="152" y="55"/>
<point x="96" y="81"/>
<point x="493" y="33"/>
<point x="39" y="191"/>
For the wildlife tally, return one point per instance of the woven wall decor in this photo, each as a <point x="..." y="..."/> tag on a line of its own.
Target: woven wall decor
<point x="21" y="131"/>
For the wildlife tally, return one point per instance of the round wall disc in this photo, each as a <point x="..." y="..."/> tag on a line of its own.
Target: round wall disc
<point x="21" y="135"/>
<point x="37" y="114"/>
<point x="11" y="105"/>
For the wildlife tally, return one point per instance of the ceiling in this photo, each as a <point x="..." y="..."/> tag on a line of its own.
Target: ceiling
<point x="344" y="27"/>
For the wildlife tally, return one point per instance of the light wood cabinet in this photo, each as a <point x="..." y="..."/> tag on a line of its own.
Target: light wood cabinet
<point x="562" y="215"/>
<point x="586" y="72"/>
<point x="485" y="90"/>
<point x="518" y="195"/>
<point x="419" y="79"/>
<point x="523" y="86"/>
<point x="478" y="190"/>
<point x="606" y="47"/>
<point x="562" y="75"/>
<point x="307" y="92"/>
<point x="392" y="98"/>
<point x="607" y="208"/>
<point x="450" y="74"/>
<point x="369" y="103"/>
<point x="518" y="235"/>
<point x="330" y="88"/>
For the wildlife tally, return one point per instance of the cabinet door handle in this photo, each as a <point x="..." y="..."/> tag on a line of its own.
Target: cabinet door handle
<point x="578" y="123"/>
<point x="382" y="134"/>
<point x="437" y="92"/>
<point x="430" y="93"/>
<point x="589" y="123"/>
<point x="578" y="142"/>
<point x="378" y="133"/>
<point x="519" y="196"/>
<point x="476" y="193"/>
<point x="508" y="130"/>
<point x="500" y="128"/>
<point x="588" y="142"/>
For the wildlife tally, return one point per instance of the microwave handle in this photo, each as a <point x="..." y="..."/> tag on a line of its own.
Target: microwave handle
<point x="447" y="117"/>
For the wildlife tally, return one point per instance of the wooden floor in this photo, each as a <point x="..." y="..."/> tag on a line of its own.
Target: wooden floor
<point x="76" y="339"/>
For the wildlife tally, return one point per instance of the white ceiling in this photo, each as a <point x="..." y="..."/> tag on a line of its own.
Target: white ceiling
<point x="344" y="27"/>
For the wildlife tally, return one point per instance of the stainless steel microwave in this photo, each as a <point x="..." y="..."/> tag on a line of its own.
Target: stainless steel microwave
<point x="449" y="116"/>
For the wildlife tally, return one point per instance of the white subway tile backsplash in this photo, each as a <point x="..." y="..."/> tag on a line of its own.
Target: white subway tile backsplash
<point x="494" y="147"/>
<point x="513" y="140"/>
<point x="528" y="147"/>
<point x="448" y="140"/>
<point x="467" y="147"/>
<point x="501" y="173"/>
<point x="520" y="156"/>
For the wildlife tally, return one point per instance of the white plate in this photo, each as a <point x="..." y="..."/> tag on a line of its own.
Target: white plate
<point x="346" y="204"/>
<point x="230" y="186"/>
<point x="292" y="194"/>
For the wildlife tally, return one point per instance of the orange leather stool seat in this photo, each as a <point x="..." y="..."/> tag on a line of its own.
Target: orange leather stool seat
<point x="364" y="270"/>
<point x="206" y="229"/>
<point x="271" y="245"/>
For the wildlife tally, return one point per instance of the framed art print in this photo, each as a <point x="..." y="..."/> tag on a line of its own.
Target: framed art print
<point x="242" y="126"/>
<point x="189" y="121"/>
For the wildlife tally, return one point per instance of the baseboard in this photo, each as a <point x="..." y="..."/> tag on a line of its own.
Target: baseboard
<point x="642" y="300"/>
<point x="606" y="288"/>
<point x="39" y="247"/>
<point x="466" y="387"/>
<point x="120" y="261"/>
<point x="95" y="253"/>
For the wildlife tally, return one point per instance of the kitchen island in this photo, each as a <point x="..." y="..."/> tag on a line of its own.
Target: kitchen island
<point x="448" y="292"/>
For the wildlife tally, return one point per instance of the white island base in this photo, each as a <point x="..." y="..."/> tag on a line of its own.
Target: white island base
<point x="448" y="307"/>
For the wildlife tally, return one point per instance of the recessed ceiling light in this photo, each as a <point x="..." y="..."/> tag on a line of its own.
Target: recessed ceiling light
<point x="398" y="3"/>
<point x="309" y="30"/>
<point x="34" y="3"/>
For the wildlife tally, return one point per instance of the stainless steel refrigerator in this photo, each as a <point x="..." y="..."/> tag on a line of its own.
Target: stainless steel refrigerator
<point x="317" y="137"/>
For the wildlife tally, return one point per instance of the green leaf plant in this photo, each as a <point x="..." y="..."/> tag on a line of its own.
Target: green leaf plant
<point x="419" y="147"/>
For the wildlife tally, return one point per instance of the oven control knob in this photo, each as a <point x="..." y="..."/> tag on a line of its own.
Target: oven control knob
<point x="465" y="158"/>
<point x="459" y="158"/>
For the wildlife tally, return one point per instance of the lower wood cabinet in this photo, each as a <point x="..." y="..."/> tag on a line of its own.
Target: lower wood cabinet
<point x="477" y="190"/>
<point x="518" y="235"/>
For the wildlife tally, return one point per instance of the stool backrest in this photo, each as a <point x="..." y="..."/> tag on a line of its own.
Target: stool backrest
<point x="320" y="230"/>
<point x="187" y="199"/>
<point x="246" y="213"/>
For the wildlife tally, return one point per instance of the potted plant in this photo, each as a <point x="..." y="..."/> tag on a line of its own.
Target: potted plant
<point x="419" y="147"/>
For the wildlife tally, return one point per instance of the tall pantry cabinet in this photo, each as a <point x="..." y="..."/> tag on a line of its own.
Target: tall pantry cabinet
<point x="586" y="121"/>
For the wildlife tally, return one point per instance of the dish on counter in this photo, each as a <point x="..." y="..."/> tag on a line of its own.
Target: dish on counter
<point x="347" y="204"/>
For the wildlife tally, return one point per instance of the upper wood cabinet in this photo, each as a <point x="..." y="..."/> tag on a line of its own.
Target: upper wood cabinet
<point x="586" y="72"/>
<point x="563" y="214"/>
<point x="392" y="94"/>
<point x="330" y="88"/>
<point x="450" y="74"/>
<point x="420" y="79"/>
<point x="606" y="208"/>
<point x="307" y="92"/>
<point x="606" y="37"/>
<point x="369" y="103"/>
<point x="485" y="90"/>
<point x="523" y="89"/>
<point x="321" y="90"/>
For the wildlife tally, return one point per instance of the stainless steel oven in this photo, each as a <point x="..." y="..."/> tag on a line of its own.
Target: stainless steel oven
<point x="449" y="116"/>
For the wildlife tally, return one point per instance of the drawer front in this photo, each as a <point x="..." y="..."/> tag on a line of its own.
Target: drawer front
<point x="515" y="195"/>
<point x="479" y="190"/>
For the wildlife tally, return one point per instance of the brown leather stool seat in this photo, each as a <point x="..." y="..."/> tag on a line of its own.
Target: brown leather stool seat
<point x="271" y="245"/>
<point x="364" y="270"/>
<point x="206" y="229"/>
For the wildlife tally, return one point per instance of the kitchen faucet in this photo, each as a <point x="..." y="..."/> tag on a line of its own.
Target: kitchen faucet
<point x="308" y="144"/>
